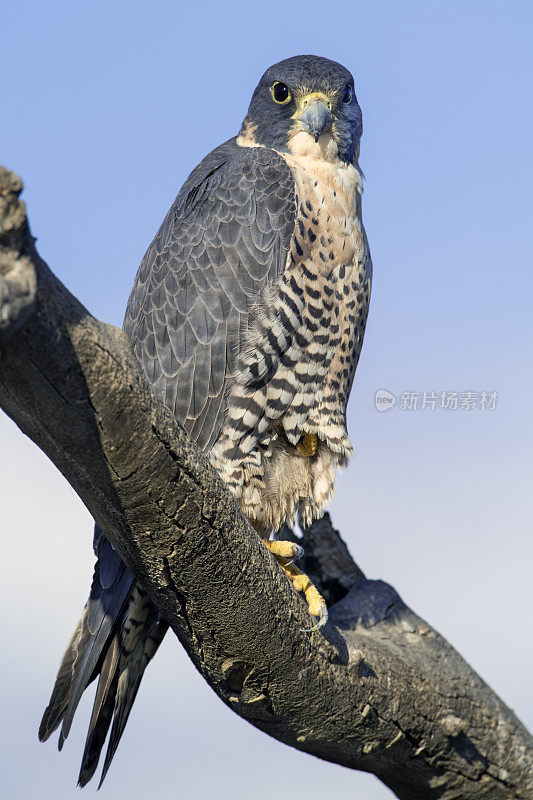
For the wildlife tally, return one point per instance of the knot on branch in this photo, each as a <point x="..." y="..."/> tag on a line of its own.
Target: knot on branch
<point x="242" y="684"/>
<point x="17" y="275"/>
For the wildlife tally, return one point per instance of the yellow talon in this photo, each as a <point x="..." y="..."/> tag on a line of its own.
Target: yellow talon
<point x="315" y="601"/>
<point x="282" y="551"/>
<point x="308" y="444"/>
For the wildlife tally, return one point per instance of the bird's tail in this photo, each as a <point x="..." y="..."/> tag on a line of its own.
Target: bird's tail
<point x="116" y="637"/>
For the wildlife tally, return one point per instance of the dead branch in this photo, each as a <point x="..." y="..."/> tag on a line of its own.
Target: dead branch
<point x="376" y="690"/>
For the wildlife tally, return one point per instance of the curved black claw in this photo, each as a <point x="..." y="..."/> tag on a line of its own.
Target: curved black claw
<point x="322" y="619"/>
<point x="298" y="552"/>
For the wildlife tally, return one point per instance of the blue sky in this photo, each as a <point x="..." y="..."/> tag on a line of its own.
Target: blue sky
<point x="106" y="109"/>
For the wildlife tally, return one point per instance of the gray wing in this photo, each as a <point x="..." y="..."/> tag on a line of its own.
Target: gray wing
<point x="224" y="239"/>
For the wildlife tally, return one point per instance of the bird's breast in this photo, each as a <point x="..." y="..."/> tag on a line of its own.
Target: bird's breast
<point x="328" y="228"/>
<point x="296" y="370"/>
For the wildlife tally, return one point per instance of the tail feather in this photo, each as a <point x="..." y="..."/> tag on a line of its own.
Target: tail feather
<point x="91" y="650"/>
<point x="110" y="587"/>
<point x="100" y="617"/>
<point x="84" y="652"/>
<point x="102" y="714"/>
<point x="129" y="682"/>
<point x="60" y="695"/>
<point x="105" y="688"/>
<point x="118" y="654"/>
<point x="116" y="637"/>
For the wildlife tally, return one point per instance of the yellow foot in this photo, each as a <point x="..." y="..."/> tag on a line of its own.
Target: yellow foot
<point x="315" y="602"/>
<point x="307" y="444"/>
<point x="285" y="552"/>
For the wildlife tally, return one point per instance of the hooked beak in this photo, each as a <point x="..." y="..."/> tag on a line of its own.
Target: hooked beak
<point x="316" y="117"/>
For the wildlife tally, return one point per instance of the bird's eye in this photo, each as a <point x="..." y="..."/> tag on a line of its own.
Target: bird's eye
<point x="348" y="94"/>
<point x="280" y="92"/>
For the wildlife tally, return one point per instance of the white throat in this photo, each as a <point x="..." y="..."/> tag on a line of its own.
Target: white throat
<point x="303" y="144"/>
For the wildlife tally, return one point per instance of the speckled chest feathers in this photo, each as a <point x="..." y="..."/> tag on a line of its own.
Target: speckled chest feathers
<point x="285" y="426"/>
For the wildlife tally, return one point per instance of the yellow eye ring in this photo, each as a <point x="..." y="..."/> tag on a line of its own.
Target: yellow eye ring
<point x="281" y="93"/>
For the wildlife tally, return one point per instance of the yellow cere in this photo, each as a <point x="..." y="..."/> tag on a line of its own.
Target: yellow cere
<point x="307" y="99"/>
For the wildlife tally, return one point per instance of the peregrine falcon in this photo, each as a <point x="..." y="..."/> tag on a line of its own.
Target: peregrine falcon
<point x="247" y="315"/>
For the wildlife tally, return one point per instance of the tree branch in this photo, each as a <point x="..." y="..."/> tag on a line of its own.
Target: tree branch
<point x="376" y="690"/>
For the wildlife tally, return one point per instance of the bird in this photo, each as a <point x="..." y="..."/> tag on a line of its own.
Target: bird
<point x="247" y="316"/>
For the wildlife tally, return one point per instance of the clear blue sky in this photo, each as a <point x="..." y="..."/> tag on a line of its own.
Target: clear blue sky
<point x="106" y="107"/>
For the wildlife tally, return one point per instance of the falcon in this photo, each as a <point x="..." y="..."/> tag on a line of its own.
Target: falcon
<point x="247" y="315"/>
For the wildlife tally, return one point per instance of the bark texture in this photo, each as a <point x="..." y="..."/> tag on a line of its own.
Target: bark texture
<point x="377" y="689"/>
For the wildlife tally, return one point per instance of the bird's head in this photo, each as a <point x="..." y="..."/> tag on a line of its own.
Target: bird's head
<point x="305" y="101"/>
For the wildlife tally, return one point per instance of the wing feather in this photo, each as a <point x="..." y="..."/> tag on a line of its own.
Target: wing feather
<point x="225" y="238"/>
